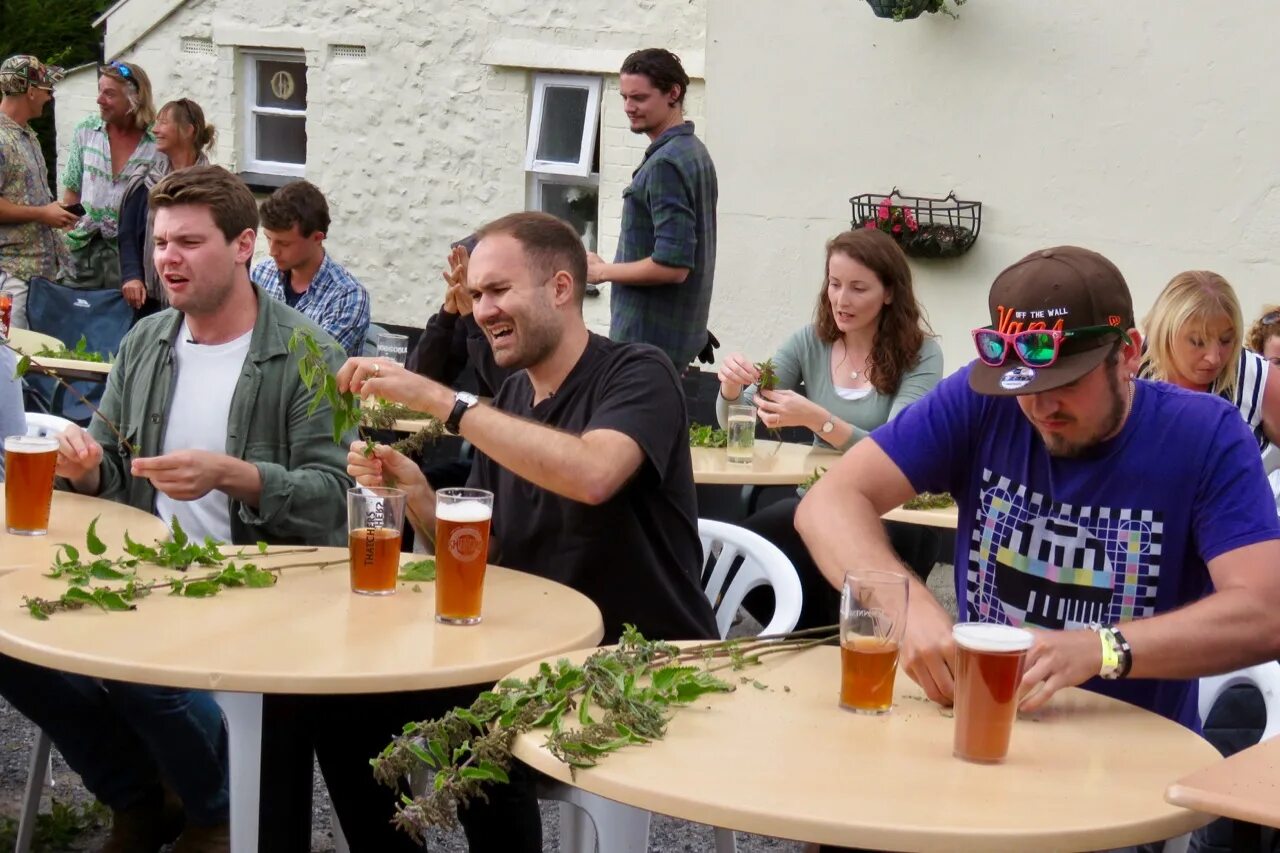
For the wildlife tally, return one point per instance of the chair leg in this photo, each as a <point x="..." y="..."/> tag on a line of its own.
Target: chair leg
<point x="38" y="770"/>
<point x="243" y="712"/>
<point x="726" y="840"/>
<point x="618" y="828"/>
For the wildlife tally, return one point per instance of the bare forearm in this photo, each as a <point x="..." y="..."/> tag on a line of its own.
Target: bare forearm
<point x="242" y="481"/>
<point x="647" y="271"/>
<point x="556" y="461"/>
<point x="14" y="214"/>
<point x="840" y="434"/>
<point x="1219" y="633"/>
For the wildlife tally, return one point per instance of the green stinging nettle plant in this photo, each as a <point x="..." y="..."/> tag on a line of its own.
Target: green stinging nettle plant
<point x="618" y="696"/>
<point x="179" y="553"/>
<point x="348" y="412"/>
<point x="903" y="10"/>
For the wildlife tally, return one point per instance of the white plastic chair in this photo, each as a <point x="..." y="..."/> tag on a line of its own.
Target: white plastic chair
<point x="624" y="828"/>
<point x="39" y="423"/>
<point x="243" y="713"/>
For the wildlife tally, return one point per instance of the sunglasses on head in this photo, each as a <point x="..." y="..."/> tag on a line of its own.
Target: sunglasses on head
<point x="1034" y="347"/>
<point x="121" y="69"/>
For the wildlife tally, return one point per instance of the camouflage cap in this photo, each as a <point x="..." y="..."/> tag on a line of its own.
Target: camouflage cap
<point x="21" y="72"/>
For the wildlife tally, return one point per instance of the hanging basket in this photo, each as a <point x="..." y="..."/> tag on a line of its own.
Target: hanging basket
<point x="901" y="10"/>
<point x="924" y="227"/>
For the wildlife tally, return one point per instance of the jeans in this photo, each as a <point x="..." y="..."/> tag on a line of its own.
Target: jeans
<point x="126" y="740"/>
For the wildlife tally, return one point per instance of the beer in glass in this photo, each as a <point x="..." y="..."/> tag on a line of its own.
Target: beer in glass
<point x="375" y="516"/>
<point x="741" y="442"/>
<point x="462" y="550"/>
<point x="29" y="461"/>
<point x="989" y="664"/>
<point x="873" y="616"/>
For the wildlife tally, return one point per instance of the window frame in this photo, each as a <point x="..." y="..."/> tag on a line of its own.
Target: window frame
<point x="590" y="125"/>
<point x="535" y="181"/>
<point x="251" y="111"/>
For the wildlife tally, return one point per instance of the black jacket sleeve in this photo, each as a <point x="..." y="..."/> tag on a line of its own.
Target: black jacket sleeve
<point x="441" y="352"/>
<point x="132" y="234"/>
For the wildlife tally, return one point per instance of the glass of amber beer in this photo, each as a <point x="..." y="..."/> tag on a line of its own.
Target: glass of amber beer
<point x="375" y="518"/>
<point x="29" y="461"/>
<point x="873" y="615"/>
<point x="462" y="550"/>
<point x="989" y="663"/>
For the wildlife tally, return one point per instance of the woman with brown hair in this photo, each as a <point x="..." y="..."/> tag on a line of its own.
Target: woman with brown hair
<point x="184" y="138"/>
<point x="868" y="354"/>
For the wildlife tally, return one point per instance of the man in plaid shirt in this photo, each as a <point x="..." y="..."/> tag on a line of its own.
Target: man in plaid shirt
<point x="666" y="257"/>
<point x="302" y="274"/>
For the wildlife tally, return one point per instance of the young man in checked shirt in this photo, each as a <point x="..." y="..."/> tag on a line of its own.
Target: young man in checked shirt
<point x="666" y="257"/>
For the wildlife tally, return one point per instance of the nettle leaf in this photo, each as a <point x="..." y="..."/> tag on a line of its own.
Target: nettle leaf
<point x="179" y="535"/>
<point x="256" y="578"/>
<point x="37" y="609"/>
<point x="104" y="570"/>
<point x="421" y="754"/>
<point x="96" y="546"/>
<point x="665" y="678"/>
<point x="584" y="707"/>
<point x="418" y="571"/>
<point x="439" y="752"/>
<point x="262" y="547"/>
<point x="200" y="589"/>
<point x="134" y="549"/>
<point x="78" y="595"/>
<point x="73" y="553"/>
<point x="24" y="364"/>
<point x="108" y="600"/>
<point x="495" y="772"/>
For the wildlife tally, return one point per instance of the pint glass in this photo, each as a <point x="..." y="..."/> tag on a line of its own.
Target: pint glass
<point x="873" y="616"/>
<point x="462" y="550"/>
<point x="740" y="444"/>
<point x="989" y="663"/>
<point x="375" y="516"/>
<point x="28" y="483"/>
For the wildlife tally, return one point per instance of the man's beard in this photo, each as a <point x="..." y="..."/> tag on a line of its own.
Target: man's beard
<point x="1065" y="448"/>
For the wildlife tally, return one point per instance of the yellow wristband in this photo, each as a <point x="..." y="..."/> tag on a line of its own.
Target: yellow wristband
<point x="1110" y="657"/>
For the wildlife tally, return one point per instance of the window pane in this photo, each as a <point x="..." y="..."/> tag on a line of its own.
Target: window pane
<point x="282" y="85"/>
<point x="576" y="205"/>
<point x="564" y="110"/>
<point x="282" y="139"/>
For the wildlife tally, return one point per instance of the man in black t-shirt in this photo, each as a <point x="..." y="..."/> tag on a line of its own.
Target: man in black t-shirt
<point x="585" y="446"/>
<point x="586" y="451"/>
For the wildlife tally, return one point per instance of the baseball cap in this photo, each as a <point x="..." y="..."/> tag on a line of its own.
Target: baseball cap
<point x="21" y="72"/>
<point x="1066" y="288"/>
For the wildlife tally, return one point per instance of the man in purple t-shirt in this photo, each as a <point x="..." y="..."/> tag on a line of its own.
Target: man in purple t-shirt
<point x="1093" y="506"/>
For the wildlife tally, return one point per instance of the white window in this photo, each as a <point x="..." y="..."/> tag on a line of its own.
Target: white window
<point x="563" y="153"/>
<point x="275" y="113"/>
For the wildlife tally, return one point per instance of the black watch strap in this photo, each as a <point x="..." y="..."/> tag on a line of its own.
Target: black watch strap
<point x="454" y="422"/>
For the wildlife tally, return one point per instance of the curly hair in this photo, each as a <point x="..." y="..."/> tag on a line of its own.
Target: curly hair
<point x="901" y="327"/>
<point x="1266" y="327"/>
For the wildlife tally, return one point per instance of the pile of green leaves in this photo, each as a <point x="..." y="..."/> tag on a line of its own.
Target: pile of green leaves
<point x="80" y="353"/>
<point x="808" y="482"/>
<point x="617" y="697"/>
<point x="702" y="435"/>
<point x="179" y="553"/>
<point x="930" y="500"/>
<point x="768" y="375"/>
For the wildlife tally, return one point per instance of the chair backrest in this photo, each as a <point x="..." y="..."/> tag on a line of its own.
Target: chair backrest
<point x="42" y="424"/>
<point x="761" y="563"/>
<point x="1265" y="677"/>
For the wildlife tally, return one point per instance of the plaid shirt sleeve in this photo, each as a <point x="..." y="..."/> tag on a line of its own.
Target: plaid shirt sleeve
<point x="675" y="227"/>
<point x="341" y="308"/>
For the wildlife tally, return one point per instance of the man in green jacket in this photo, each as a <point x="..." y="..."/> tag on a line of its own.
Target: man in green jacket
<point x="209" y="398"/>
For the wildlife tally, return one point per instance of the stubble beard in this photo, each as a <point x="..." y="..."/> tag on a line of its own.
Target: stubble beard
<point x="1066" y="449"/>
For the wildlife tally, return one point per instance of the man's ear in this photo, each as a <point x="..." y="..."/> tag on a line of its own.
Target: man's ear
<point x="1133" y="350"/>
<point x="564" y="289"/>
<point x="245" y="242"/>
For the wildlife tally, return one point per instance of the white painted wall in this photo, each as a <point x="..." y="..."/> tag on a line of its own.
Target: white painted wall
<point x="1137" y="129"/>
<point x="424" y="139"/>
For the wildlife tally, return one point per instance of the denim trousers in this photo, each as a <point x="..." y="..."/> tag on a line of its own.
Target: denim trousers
<point x="128" y="740"/>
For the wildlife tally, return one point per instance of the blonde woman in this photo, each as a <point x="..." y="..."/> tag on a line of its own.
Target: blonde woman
<point x="1195" y="335"/>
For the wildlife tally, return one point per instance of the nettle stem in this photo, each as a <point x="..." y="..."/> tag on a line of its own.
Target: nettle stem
<point x="24" y="363"/>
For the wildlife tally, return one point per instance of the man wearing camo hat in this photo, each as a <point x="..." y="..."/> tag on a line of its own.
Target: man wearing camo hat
<point x="29" y="217"/>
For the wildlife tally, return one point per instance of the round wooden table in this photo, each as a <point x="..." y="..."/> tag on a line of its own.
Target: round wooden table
<point x="69" y="518"/>
<point x="776" y="463"/>
<point x="307" y="634"/>
<point x="1087" y="773"/>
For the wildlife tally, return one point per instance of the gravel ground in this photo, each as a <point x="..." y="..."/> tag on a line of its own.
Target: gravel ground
<point x="669" y="835"/>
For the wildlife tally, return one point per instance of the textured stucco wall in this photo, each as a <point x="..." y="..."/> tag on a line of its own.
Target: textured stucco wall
<point x="1145" y="135"/>
<point x="421" y="140"/>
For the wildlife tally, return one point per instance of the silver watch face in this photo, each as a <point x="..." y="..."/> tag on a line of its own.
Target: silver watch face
<point x="466" y="397"/>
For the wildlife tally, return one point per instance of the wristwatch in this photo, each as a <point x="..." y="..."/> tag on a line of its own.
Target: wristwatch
<point x="828" y="426"/>
<point x="461" y="402"/>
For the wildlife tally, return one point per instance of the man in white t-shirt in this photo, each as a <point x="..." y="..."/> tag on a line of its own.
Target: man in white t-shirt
<point x="216" y="416"/>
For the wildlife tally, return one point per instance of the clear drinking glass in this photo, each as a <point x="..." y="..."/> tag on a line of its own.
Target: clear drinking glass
<point x="393" y="346"/>
<point x="375" y="521"/>
<point x="741" y="444"/>
<point x="873" y="616"/>
<point x="463" y="517"/>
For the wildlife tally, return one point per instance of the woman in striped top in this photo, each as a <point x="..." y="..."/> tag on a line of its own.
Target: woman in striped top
<point x="1195" y="336"/>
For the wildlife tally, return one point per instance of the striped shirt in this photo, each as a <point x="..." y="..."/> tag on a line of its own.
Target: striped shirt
<point x="335" y="301"/>
<point x="89" y="173"/>
<point x="1251" y="384"/>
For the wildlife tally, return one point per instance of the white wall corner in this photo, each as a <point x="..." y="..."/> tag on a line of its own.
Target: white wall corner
<point x="128" y="21"/>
